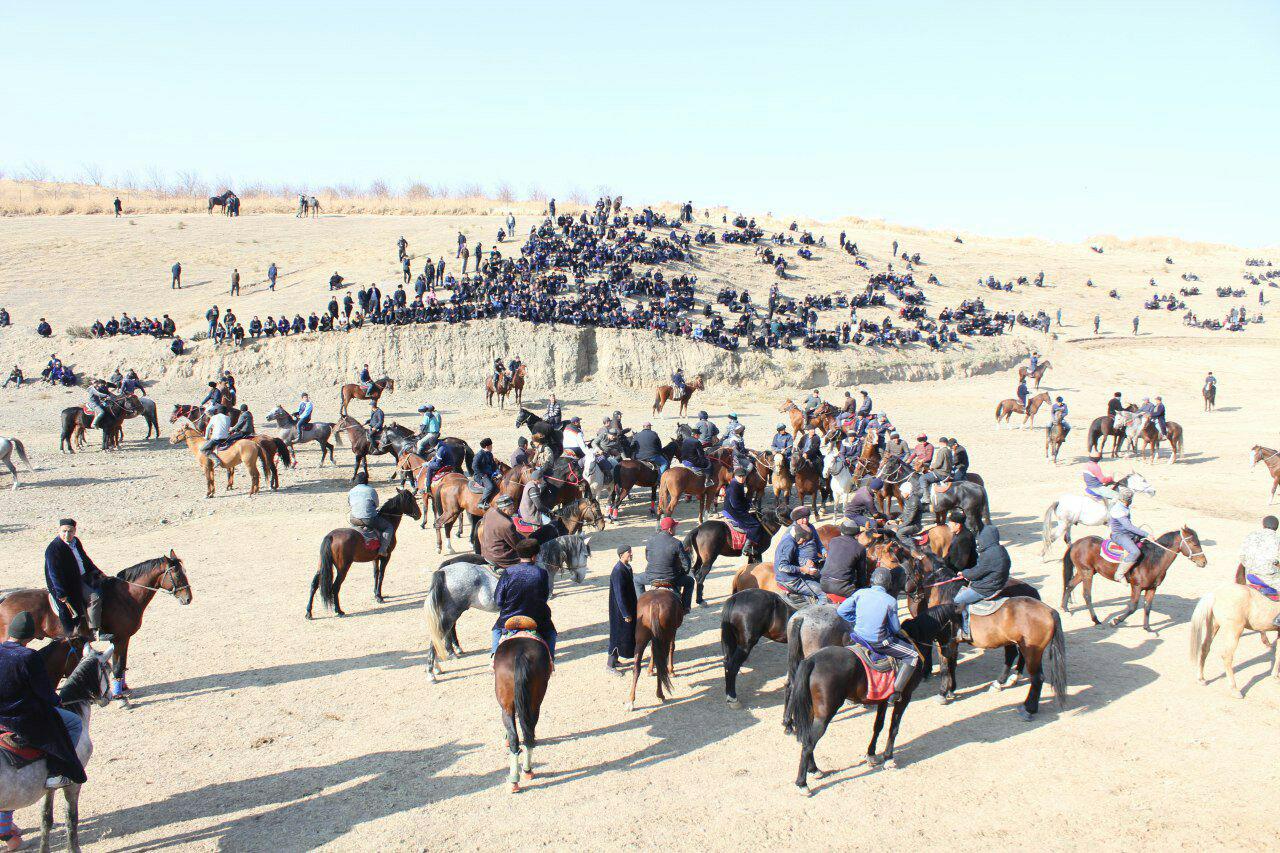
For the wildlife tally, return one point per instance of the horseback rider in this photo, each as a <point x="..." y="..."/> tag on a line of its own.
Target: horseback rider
<point x="693" y="457"/>
<point x="519" y="456"/>
<point x="363" y="501"/>
<point x="811" y="404"/>
<point x="1211" y="382"/>
<point x="911" y="521"/>
<point x="706" y="430"/>
<point x="678" y="383"/>
<point x="572" y="439"/>
<point x="1022" y="393"/>
<point x="533" y="506"/>
<point x="1124" y="533"/>
<point x="922" y="452"/>
<point x="484" y="471"/>
<point x="861" y="505"/>
<point x="499" y="371"/>
<point x="524" y="590"/>
<point x="1033" y="362"/>
<point x="608" y="443"/>
<point x="1145" y="412"/>
<point x="738" y="444"/>
<point x="648" y="448"/>
<point x="366" y="381"/>
<point x="666" y="563"/>
<point x="216" y="433"/>
<point x="73" y="581"/>
<point x="797" y="561"/>
<point x="809" y="449"/>
<point x="1158" y="417"/>
<point x="498" y="534"/>
<point x="99" y="399"/>
<point x="940" y="465"/>
<point x="243" y="427"/>
<point x="986" y="577"/>
<point x="872" y="616"/>
<point x="430" y="425"/>
<point x="959" y="461"/>
<point x="845" y="569"/>
<point x="1058" y="415"/>
<point x="132" y="383"/>
<point x="302" y="415"/>
<point x="1095" y="480"/>
<point x="1258" y="555"/>
<point x="552" y="413"/>
<point x="737" y="508"/>
<point x="1114" y="407"/>
<point x="441" y="458"/>
<point x="782" y="443"/>
<point x="864" y="407"/>
<point x="30" y="708"/>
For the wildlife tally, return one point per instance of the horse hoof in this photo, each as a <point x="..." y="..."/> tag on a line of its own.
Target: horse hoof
<point x="873" y="761"/>
<point x="1025" y="715"/>
<point x="734" y="704"/>
<point x="1237" y="694"/>
<point x="804" y="791"/>
<point x="630" y="706"/>
<point x="309" y="616"/>
<point x="945" y="699"/>
<point x="340" y="613"/>
<point x="891" y="764"/>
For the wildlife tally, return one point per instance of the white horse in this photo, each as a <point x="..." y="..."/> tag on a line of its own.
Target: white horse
<point x="1072" y="508"/>
<point x="89" y="684"/>
<point x="593" y="475"/>
<point x="843" y="483"/>
<point x="7" y="448"/>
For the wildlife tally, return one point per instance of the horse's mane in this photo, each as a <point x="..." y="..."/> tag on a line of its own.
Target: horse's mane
<point x="1166" y="539"/>
<point x="391" y="506"/>
<point x="82" y="683"/>
<point x="134" y="572"/>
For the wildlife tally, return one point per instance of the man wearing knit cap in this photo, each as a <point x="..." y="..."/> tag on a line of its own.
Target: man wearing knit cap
<point x="667" y="563"/>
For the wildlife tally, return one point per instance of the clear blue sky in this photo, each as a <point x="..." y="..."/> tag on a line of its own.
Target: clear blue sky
<point x="1054" y="119"/>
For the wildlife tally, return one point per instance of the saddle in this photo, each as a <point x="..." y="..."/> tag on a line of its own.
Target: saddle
<point x="474" y="487"/>
<point x="940" y="488"/>
<point x="737" y="537"/>
<point x="880" y="669"/>
<point x="16" y="753"/>
<point x="522" y="526"/>
<point x="1109" y="550"/>
<point x="441" y="474"/>
<point x="372" y="541"/>
<point x="986" y="608"/>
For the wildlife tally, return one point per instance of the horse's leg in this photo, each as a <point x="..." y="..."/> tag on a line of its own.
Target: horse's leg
<point x="315" y="585"/>
<point x="379" y="567"/>
<point x="72" y="794"/>
<point x="1068" y="587"/>
<point x="46" y="821"/>
<point x="1032" y="655"/>
<point x="1010" y="655"/>
<point x="1086" y="589"/>
<point x="1115" y="621"/>
<point x="895" y="720"/>
<point x="338" y="578"/>
<point x="876" y="726"/>
<point x="1228" y="660"/>
<point x="1147" y="597"/>
<point x="120" y="663"/>
<point x="642" y="641"/>
<point x="950" y="654"/>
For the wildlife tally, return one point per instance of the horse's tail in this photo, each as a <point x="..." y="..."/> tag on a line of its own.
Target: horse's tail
<point x="337" y="435"/>
<point x="326" y="570"/>
<point x="1068" y="569"/>
<point x="800" y="703"/>
<point x="999" y="406"/>
<point x="657" y="402"/>
<point x="22" y="453"/>
<point x="986" y="507"/>
<point x="1054" y="662"/>
<point x="526" y="715"/>
<point x="691" y="545"/>
<point x="661" y="651"/>
<point x="1202" y="628"/>
<point x="282" y="450"/>
<point x="468" y="455"/>
<point x="1046" y="530"/>
<point x="432" y="609"/>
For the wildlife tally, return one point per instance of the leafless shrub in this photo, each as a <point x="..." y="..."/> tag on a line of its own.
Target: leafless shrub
<point x="33" y="171"/>
<point x="92" y="173"/>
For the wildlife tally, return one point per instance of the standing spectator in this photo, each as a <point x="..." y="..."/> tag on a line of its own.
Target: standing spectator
<point x="212" y="316"/>
<point x="1097" y="321"/>
<point x="405" y="268"/>
<point x="177" y="276"/>
<point x="622" y="612"/>
<point x="1135" y="324"/>
<point x="462" y="242"/>
<point x="235" y="282"/>
<point x="271" y="276"/>
<point x="116" y="204"/>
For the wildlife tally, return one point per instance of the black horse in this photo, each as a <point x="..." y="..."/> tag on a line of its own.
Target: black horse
<point x="397" y="440"/>
<point x="969" y="496"/>
<point x="221" y="201"/>
<point x="542" y="431"/>
<point x="112" y="423"/>
<point x="713" y="539"/>
<point x="747" y="616"/>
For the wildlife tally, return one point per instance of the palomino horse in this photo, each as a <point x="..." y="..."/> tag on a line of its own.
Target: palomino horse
<point x="678" y="481"/>
<point x="713" y="538"/>
<point x="824" y="417"/>
<point x="746" y="617"/>
<point x="666" y="393"/>
<point x="823" y="682"/>
<point x="1272" y="460"/>
<point x="1150" y="437"/>
<point x="1083" y="560"/>
<point x="499" y="389"/>
<point x="1023" y="373"/>
<point x="1073" y="508"/>
<point x="244" y="452"/>
<point x="658" y="617"/>
<point x="319" y="432"/>
<point x="87" y="685"/>
<point x="355" y="391"/>
<point x="344" y="546"/>
<point x="9" y="446"/>
<point x="124" y="601"/>
<point x="1232" y="609"/>
<point x="521" y="670"/>
<point x="1006" y="409"/>
<point x="1054" y="437"/>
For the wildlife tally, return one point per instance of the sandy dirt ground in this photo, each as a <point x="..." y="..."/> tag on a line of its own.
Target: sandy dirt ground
<point x="254" y="729"/>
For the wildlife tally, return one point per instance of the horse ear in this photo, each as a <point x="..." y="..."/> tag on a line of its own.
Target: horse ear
<point x="107" y="653"/>
<point x="172" y="555"/>
<point x="586" y="543"/>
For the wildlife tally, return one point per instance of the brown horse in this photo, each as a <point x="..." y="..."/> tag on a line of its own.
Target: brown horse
<point x="1006" y="409"/>
<point x="1210" y="394"/>
<point x="517" y="384"/>
<point x="807" y="481"/>
<point x="358" y="438"/>
<point x="713" y="539"/>
<point x="1023" y="373"/>
<point x="666" y="393"/>
<point x="124" y="601"/>
<point x="244" y="452"/>
<point x="824" y="417"/>
<point x="452" y="497"/>
<point x="344" y="546"/>
<point x="1083" y="560"/>
<point x="1272" y="460"/>
<point x="627" y="474"/>
<point x="678" y="481"/>
<point x="499" y="389"/>
<point x="1150" y="437"/>
<point x="658" y="617"/>
<point x="1054" y="438"/>
<point x="355" y="391"/>
<point x="521" y="670"/>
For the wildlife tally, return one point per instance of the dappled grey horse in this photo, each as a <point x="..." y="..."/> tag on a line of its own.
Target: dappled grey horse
<point x="319" y="431"/>
<point x="467" y="581"/>
<point x="9" y="446"/>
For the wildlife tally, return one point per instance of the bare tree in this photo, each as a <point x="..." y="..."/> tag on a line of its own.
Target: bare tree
<point x="189" y="183"/>
<point x="577" y="196"/>
<point x="156" y="181"/>
<point x="33" y="171"/>
<point x="505" y="193"/>
<point x="470" y="190"/>
<point x="127" y="180"/>
<point x="419" y="190"/>
<point x="536" y="193"/>
<point x="92" y="174"/>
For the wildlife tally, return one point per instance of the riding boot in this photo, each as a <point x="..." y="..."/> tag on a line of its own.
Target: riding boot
<point x="1122" y="570"/>
<point x="903" y="678"/>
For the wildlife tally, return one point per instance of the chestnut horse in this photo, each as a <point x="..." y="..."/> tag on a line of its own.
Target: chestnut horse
<point x="658" y="617"/>
<point x="1023" y="373"/>
<point x="1054" y="437"/>
<point x="1150" y="437"/>
<point x="666" y="393"/>
<point x="355" y="391"/>
<point x="1083" y="560"/>
<point x="499" y="389"/>
<point x="244" y="452"/>
<point x="346" y="545"/>
<point x="824" y="417"/>
<point x="1006" y="409"/>
<point x="521" y="671"/>
<point x="517" y="384"/>
<point x="678" y="481"/>
<point x="1272" y="460"/>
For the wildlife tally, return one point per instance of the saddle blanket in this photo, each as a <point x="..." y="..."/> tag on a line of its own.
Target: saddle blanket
<point x="880" y="672"/>
<point x="17" y="755"/>
<point x="737" y="538"/>
<point x="532" y="635"/>
<point x="441" y="474"/>
<point x="522" y="526"/>
<point x="1111" y="551"/>
<point x="370" y="538"/>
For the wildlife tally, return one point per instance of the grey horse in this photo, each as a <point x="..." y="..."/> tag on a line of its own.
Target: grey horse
<point x="8" y="446"/>
<point x="467" y="581"/>
<point x="316" y="431"/>
<point x="88" y="684"/>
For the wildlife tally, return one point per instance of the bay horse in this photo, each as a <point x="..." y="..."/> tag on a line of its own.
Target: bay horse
<point x="499" y="389"/>
<point x="1083" y="560"/>
<point x="1210" y="394"/>
<point x="1233" y="609"/>
<point x="1271" y="458"/>
<point x="1105" y="427"/>
<point x="1006" y="409"/>
<point x="124" y="601"/>
<point x="824" y="417"/>
<point x="196" y="416"/>
<point x="245" y="452"/>
<point x="627" y="474"/>
<point x="346" y="545"/>
<point x="746" y="617"/>
<point x="806" y="479"/>
<point x="8" y="447"/>
<point x="451" y="497"/>
<point x="1150" y="437"/>
<point x="678" y="481"/>
<point x="666" y="393"/>
<point x="517" y="384"/>
<point x="1054" y="437"/>
<point x="823" y="682"/>
<point x="521" y="670"/>
<point x="358" y="439"/>
<point x="355" y="391"/>
<point x="713" y="538"/>
<point x="659" y="614"/>
<point x="1023" y="373"/>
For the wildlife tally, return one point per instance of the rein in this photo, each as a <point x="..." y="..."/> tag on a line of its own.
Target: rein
<point x="1182" y="540"/>
<point x="170" y="571"/>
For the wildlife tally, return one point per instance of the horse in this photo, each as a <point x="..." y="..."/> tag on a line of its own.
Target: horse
<point x="1210" y="394"/>
<point x="398" y="440"/>
<point x="678" y="481"/>
<point x="823" y="681"/>
<point x="358" y="438"/>
<point x="344" y="546"/>
<point x="1071" y="508"/>
<point x="823" y="417"/>
<point x="969" y="496"/>
<point x="221" y="200"/>
<point x="629" y="473"/>
<point x="543" y="432"/>
<point x="1151" y="441"/>
<point x="319" y="432"/>
<point x="745" y="618"/>
<point x="355" y="391"/>
<point x="1103" y="428"/>
<point x="146" y="407"/>
<point x="713" y="538"/>
<point x="124" y="601"/>
<point x="245" y="452"/>
<point x="451" y="497"/>
<point x="517" y="383"/>
<point x="1234" y="608"/>
<point x="659" y="614"/>
<point x="666" y="393"/>
<point x="1023" y="373"/>
<point x="806" y="478"/>
<point x="314" y="204"/>
<point x="1083" y="560"/>
<point x="1054" y="437"/>
<point x="1272" y="460"/>
<point x="467" y="581"/>
<point x="499" y="389"/>
<point x="8" y="446"/>
<point x="521" y="670"/>
<point x="1006" y="409"/>
<point x="87" y="685"/>
<point x="840" y="478"/>
<point x="196" y="416"/>
<point x="75" y="420"/>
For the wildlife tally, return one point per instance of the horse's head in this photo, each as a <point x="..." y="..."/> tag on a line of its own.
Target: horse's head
<point x="591" y="513"/>
<point x="183" y="433"/>
<point x="1190" y="547"/>
<point x="1138" y="484"/>
<point x="525" y="416"/>
<point x="788" y="405"/>
<point x="90" y="681"/>
<point x="388" y="384"/>
<point x="278" y="413"/>
<point x="407" y="504"/>
<point x="177" y="413"/>
<point x="174" y="579"/>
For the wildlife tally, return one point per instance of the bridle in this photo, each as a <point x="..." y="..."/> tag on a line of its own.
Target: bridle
<point x="170" y="574"/>
<point x="1177" y="549"/>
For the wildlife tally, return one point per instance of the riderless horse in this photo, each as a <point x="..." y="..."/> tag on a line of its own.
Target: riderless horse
<point x="9" y="446"/>
<point x="1233" y="609"/>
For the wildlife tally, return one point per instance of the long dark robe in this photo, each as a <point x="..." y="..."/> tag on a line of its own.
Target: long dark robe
<point x="622" y="606"/>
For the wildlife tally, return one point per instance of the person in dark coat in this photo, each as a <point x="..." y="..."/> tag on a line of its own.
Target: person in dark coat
<point x="30" y="709"/>
<point x="73" y="581"/>
<point x="622" y="611"/>
<point x="987" y="576"/>
<point x="963" y="553"/>
<point x="523" y="590"/>
<point x="648" y="448"/>
<point x="666" y="562"/>
<point x="498" y="535"/>
<point x="737" y="508"/>
<point x="845" y="570"/>
<point x="861" y="505"/>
